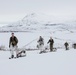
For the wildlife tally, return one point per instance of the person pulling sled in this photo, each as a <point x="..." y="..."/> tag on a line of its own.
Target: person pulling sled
<point x="13" y="45"/>
<point x="40" y="45"/>
<point x="51" y="41"/>
<point x="66" y="45"/>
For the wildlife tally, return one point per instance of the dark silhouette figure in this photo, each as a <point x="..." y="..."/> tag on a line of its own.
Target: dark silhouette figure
<point x="51" y="41"/>
<point x="66" y="45"/>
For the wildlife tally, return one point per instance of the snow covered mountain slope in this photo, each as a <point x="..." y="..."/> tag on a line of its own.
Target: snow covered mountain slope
<point x="39" y="22"/>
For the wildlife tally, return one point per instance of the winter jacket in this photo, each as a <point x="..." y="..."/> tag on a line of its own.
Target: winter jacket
<point x="41" y="41"/>
<point x="13" y="41"/>
<point x="51" y="41"/>
<point x="66" y="44"/>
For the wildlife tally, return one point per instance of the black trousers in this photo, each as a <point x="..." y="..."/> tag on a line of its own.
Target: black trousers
<point x="51" y="47"/>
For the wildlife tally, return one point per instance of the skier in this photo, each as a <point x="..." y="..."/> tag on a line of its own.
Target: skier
<point x="41" y="43"/>
<point x="66" y="45"/>
<point x="51" y="41"/>
<point x="13" y="45"/>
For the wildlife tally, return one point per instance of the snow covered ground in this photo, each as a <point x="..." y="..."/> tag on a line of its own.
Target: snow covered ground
<point x="61" y="62"/>
<point x="53" y="63"/>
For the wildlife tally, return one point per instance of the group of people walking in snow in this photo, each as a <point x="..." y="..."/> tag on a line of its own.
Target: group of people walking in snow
<point x="51" y="44"/>
<point x="14" y="41"/>
<point x="41" y="43"/>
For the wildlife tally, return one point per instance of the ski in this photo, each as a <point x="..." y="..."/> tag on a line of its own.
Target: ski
<point x="41" y="52"/>
<point x="17" y="57"/>
<point x="12" y="58"/>
<point x="20" y="56"/>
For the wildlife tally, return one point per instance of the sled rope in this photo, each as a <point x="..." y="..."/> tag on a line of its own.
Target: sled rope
<point x="30" y="43"/>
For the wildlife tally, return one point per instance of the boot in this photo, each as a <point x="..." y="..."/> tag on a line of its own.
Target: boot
<point x="12" y="56"/>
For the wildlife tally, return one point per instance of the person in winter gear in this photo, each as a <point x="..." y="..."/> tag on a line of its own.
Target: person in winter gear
<point x="40" y="43"/>
<point x="13" y="44"/>
<point x="66" y="45"/>
<point x="51" y="41"/>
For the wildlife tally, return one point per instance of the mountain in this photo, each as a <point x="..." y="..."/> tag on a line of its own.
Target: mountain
<point x="38" y="22"/>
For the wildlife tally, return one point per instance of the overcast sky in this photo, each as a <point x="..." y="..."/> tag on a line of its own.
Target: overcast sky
<point x="13" y="10"/>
